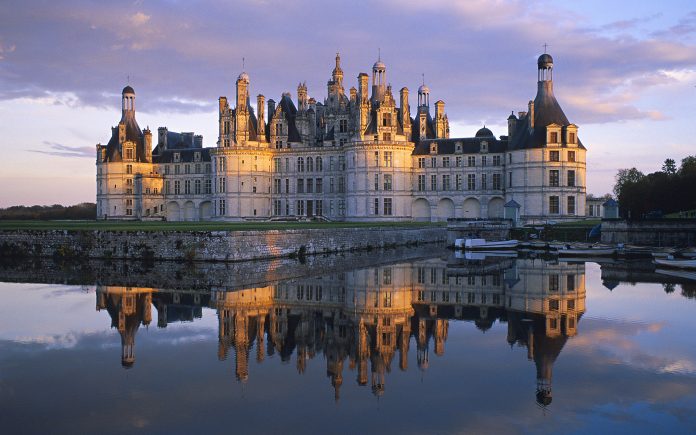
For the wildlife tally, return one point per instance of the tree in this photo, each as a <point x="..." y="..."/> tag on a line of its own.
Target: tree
<point x="688" y="165"/>
<point x="669" y="167"/>
<point x="624" y="177"/>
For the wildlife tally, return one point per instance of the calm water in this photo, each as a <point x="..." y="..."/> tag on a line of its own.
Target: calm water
<point x="426" y="345"/>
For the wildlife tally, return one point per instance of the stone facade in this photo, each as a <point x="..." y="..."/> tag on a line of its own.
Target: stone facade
<point x="355" y="156"/>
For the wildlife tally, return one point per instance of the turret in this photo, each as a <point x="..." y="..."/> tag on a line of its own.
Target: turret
<point x="241" y="110"/>
<point x="337" y="74"/>
<point x="512" y="124"/>
<point x="379" y="80"/>
<point x="302" y="97"/>
<point x="127" y="103"/>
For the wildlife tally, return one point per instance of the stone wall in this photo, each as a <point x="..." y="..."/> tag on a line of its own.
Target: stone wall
<point x="209" y="245"/>
<point x="659" y="232"/>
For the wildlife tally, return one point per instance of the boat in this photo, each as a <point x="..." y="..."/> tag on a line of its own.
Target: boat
<point x="483" y="245"/>
<point x="482" y="255"/>
<point x="684" y="274"/>
<point x="679" y="264"/>
<point x="597" y="251"/>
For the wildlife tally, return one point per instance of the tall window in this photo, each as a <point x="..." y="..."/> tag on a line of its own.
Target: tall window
<point x="387" y="182"/>
<point x="471" y="181"/>
<point x="421" y="183"/>
<point x="421" y="162"/>
<point x="276" y="207"/>
<point x="458" y="182"/>
<point x="276" y="164"/>
<point x="553" y="137"/>
<point x="497" y="185"/>
<point x="208" y="186"/>
<point x="445" y="162"/>
<point x="343" y="126"/>
<point x="571" y="205"/>
<point x="376" y="158"/>
<point x="484" y="181"/>
<point x="197" y="186"/>
<point x="300" y="185"/>
<point x="223" y="185"/>
<point x="375" y="208"/>
<point x="554" y="156"/>
<point x="433" y="182"/>
<point x="445" y="182"/>
<point x="177" y="187"/>
<point x="310" y="185"/>
<point x="320" y="164"/>
<point x="388" y="159"/>
<point x="484" y="160"/>
<point x="571" y="178"/>
<point x="300" y="164"/>
<point x="187" y="187"/>
<point x="553" y="178"/>
<point x="571" y="137"/>
<point x="471" y="161"/>
<point x="554" y="206"/>
<point x="276" y="185"/>
<point x="222" y="207"/>
<point x="129" y="169"/>
<point x="387" y="206"/>
<point x="319" y="185"/>
<point x="571" y="156"/>
<point x="496" y="160"/>
<point x="310" y="164"/>
<point x="458" y="161"/>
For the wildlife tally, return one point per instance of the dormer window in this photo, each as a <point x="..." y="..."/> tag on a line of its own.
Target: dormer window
<point x="484" y="146"/>
<point x="197" y="156"/>
<point x="571" y="137"/>
<point x="433" y="148"/>
<point x="129" y="153"/>
<point x="458" y="147"/>
<point x="553" y="137"/>
<point x="177" y="157"/>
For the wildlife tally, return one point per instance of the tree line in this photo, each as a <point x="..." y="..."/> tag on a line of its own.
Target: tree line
<point x="83" y="211"/>
<point x="666" y="191"/>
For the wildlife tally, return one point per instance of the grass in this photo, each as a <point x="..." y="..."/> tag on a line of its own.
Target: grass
<point x="197" y="226"/>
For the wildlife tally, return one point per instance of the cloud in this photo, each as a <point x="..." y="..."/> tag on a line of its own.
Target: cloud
<point x="479" y="56"/>
<point x="56" y="149"/>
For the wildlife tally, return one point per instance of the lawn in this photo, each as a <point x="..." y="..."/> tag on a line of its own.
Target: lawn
<point x="197" y="226"/>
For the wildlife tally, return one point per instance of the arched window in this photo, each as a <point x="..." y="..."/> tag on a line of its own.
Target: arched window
<point x="300" y="164"/>
<point x="310" y="164"/>
<point x="319" y="164"/>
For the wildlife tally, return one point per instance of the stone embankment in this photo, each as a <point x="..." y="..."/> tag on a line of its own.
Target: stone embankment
<point x="658" y="232"/>
<point x="227" y="246"/>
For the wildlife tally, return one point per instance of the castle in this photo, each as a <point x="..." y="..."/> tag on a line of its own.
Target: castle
<point x="355" y="157"/>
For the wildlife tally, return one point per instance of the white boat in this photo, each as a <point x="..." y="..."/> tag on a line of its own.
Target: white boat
<point x="483" y="245"/>
<point x="482" y="255"/>
<point x="587" y="252"/>
<point x="678" y="273"/>
<point x="680" y="264"/>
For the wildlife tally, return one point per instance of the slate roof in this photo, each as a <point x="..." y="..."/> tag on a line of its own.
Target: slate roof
<point x="114" y="153"/>
<point x="470" y="145"/>
<point x="290" y="113"/>
<point x="185" y="155"/>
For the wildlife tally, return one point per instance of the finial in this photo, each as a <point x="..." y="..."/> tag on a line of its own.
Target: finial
<point x="545" y="47"/>
<point x="128" y="79"/>
<point x="379" y="54"/>
<point x="423" y="77"/>
<point x="243" y="63"/>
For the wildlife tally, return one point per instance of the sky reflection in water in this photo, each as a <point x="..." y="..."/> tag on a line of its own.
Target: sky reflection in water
<point x="433" y="345"/>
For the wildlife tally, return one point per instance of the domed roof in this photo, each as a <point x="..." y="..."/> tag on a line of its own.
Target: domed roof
<point x="243" y="76"/>
<point x="379" y="65"/>
<point x="484" y="132"/>
<point x="127" y="90"/>
<point x="423" y="89"/>
<point x="545" y="61"/>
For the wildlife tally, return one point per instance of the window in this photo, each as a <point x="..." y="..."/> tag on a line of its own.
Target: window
<point x="387" y="182"/>
<point x="571" y="156"/>
<point x="310" y="185"/>
<point x="571" y="205"/>
<point x="433" y="182"/>
<point x="222" y="186"/>
<point x="553" y="305"/>
<point x="319" y="185"/>
<point x="276" y="185"/>
<point x="496" y="160"/>
<point x="433" y="162"/>
<point x="553" y="178"/>
<point x="387" y="207"/>
<point x="471" y="161"/>
<point x="445" y="162"/>
<point x="300" y="164"/>
<point x="166" y="169"/>
<point x="571" y="178"/>
<point x="341" y="185"/>
<point x="553" y="283"/>
<point x="222" y="208"/>
<point x="386" y="120"/>
<point x="197" y="187"/>
<point x="509" y="179"/>
<point x="177" y="157"/>
<point x="276" y="164"/>
<point x="177" y="187"/>
<point x="553" y="137"/>
<point x="208" y="186"/>
<point x="471" y="182"/>
<point x="484" y="160"/>
<point x="554" y="156"/>
<point x="187" y="169"/>
<point x="458" y="161"/>
<point x="571" y="306"/>
<point x="445" y="182"/>
<point x="198" y="168"/>
<point x="187" y="187"/>
<point x="388" y="159"/>
<point x="331" y="185"/>
<point x="421" y="183"/>
<point x="310" y="164"/>
<point x="570" y="283"/>
<point x="554" y="207"/>
<point x="376" y="181"/>
<point x="458" y="182"/>
<point x="421" y="162"/>
<point x="300" y="185"/>
<point x="496" y="181"/>
<point x="176" y="169"/>
<point x="129" y="153"/>
<point x="319" y="207"/>
<point x="341" y="163"/>
<point x="375" y="209"/>
<point x="376" y="158"/>
<point x="129" y="169"/>
<point x="343" y="126"/>
<point x="571" y="137"/>
<point x="386" y="137"/>
<point x="276" y="207"/>
<point x="300" y="208"/>
<point x="484" y="181"/>
<point x="287" y="185"/>
<point x="331" y="163"/>
<point x="320" y="164"/>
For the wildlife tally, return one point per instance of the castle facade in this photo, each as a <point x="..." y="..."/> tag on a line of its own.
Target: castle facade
<point x="359" y="156"/>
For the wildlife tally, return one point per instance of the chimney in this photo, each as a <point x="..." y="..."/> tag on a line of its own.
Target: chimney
<point x="198" y="141"/>
<point x="531" y="114"/>
<point x="162" y="137"/>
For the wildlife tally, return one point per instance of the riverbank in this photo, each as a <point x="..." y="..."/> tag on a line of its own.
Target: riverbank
<point x="212" y="245"/>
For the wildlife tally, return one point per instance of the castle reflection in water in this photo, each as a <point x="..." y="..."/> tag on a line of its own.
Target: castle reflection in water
<point x="364" y="318"/>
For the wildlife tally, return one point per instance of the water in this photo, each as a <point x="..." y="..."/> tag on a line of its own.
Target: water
<point x="393" y="343"/>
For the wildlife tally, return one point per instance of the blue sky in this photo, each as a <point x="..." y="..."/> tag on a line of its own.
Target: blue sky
<point x="625" y="71"/>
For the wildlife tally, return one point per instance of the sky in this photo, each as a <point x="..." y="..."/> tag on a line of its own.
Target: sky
<point x="624" y="72"/>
